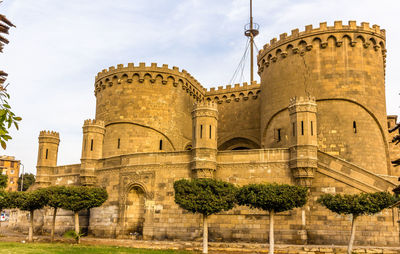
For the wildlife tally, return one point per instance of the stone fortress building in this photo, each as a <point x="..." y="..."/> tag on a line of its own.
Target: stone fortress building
<point x="317" y="118"/>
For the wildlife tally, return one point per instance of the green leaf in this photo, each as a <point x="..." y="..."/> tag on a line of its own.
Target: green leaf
<point x="16" y="125"/>
<point x="3" y="144"/>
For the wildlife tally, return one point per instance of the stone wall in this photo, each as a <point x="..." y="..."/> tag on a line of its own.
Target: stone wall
<point x="238" y="115"/>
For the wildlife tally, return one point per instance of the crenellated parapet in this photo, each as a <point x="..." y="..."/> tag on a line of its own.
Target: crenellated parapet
<point x="163" y="75"/>
<point x="46" y="133"/>
<point x="302" y="42"/>
<point x="94" y="126"/>
<point x="236" y="93"/>
<point x="205" y="108"/>
<point x="302" y="104"/>
<point x="91" y="122"/>
<point x="49" y="136"/>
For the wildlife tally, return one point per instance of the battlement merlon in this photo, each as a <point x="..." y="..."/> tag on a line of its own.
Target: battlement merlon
<point x="205" y="105"/>
<point x="93" y="125"/>
<point x="90" y="122"/>
<point x="229" y="89"/>
<point x="49" y="137"/>
<point x="309" y="31"/>
<point x="206" y="109"/>
<point x="163" y="70"/>
<point x="302" y="104"/>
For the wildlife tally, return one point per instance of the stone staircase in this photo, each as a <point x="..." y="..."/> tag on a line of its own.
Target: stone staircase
<point x="351" y="174"/>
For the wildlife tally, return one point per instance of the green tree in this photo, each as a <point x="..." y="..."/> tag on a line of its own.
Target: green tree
<point x="7" y="117"/>
<point x="357" y="205"/>
<point x="29" y="179"/>
<point x="273" y="198"/>
<point x="30" y="201"/>
<point x="78" y="198"/>
<point x="56" y="198"/>
<point x="204" y="196"/>
<point x="3" y="181"/>
<point x="4" y="202"/>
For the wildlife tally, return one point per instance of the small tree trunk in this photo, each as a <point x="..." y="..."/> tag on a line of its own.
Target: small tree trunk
<point x="353" y="233"/>
<point x="205" y="234"/>
<point x="78" y="239"/>
<point x="30" y="234"/>
<point x="271" y="232"/>
<point x="53" y="225"/>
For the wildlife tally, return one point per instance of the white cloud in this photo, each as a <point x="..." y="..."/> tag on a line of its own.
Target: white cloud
<point x="59" y="46"/>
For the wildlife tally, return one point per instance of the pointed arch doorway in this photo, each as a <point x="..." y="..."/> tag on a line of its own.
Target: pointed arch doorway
<point x="134" y="210"/>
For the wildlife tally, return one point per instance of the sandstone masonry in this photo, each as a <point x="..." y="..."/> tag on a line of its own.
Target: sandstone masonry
<point x="317" y="118"/>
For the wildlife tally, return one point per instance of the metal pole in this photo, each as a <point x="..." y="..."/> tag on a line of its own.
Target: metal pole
<point x="22" y="176"/>
<point x="251" y="42"/>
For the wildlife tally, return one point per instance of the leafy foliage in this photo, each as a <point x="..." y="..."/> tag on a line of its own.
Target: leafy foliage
<point x="3" y="181"/>
<point x="4" y="200"/>
<point x="29" y="179"/>
<point x="12" y="199"/>
<point x="357" y="204"/>
<point x="272" y="197"/>
<point x="205" y="196"/>
<point x="73" y="235"/>
<point x="7" y="117"/>
<point x="78" y="198"/>
<point x="56" y="196"/>
<point x="30" y="200"/>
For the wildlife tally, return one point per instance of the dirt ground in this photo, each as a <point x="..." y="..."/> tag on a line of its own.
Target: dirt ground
<point x="7" y="235"/>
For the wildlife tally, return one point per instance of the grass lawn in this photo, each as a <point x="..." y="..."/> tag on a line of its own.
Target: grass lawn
<point x="30" y="248"/>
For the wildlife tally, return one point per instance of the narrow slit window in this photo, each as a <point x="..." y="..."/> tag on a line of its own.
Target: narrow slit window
<point x="294" y="129"/>
<point x="210" y="131"/>
<point x="279" y="135"/>
<point x="160" y="144"/>
<point x="119" y="143"/>
<point x="201" y="131"/>
<point x="312" y="129"/>
<point x="91" y="145"/>
<point x="354" y="127"/>
<point x="302" y="128"/>
<point x="47" y="153"/>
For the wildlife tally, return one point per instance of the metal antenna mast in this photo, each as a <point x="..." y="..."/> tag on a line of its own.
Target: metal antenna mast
<point x="251" y="31"/>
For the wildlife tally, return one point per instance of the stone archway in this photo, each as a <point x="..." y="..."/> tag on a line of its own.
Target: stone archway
<point x="134" y="211"/>
<point x="238" y="143"/>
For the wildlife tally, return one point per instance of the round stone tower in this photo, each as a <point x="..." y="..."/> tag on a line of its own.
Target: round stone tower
<point x="343" y="66"/>
<point x="47" y="156"/>
<point x="204" y="151"/>
<point x="145" y="108"/>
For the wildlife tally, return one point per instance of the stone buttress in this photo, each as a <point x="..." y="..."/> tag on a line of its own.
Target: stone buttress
<point x="303" y="146"/>
<point x="204" y="151"/>
<point x="92" y="150"/>
<point x="47" y="157"/>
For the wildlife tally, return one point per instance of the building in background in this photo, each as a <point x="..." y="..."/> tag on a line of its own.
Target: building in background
<point x="10" y="166"/>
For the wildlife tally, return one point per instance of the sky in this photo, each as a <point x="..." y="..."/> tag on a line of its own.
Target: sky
<point x="59" y="46"/>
